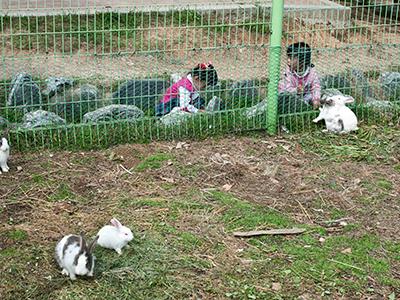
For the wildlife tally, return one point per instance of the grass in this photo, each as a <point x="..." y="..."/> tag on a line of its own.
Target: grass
<point x="152" y="267"/>
<point x="183" y="245"/>
<point x="153" y="162"/>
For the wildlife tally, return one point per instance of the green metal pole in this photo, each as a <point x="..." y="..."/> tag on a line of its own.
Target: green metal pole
<point x="274" y="65"/>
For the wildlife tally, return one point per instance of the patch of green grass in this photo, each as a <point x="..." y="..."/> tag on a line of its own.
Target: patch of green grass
<point x="384" y="184"/>
<point x="17" y="235"/>
<point x="143" y="202"/>
<point x="62" y="193"/>
<point x="328" y="265"/>
<point x="189" y="241"/>
<point x="153" y="162"/>
<point x="38" y="178"/>
<point x="190" y="171"/>
<point x="369" y="144"/>
<point x="244" y="215"/>
<point x="337" y="214"/>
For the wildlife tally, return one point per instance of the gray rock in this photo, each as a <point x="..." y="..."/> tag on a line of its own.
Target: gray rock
<point x="214" y="104"/>
<point x="330" y="92"/>
<point x="246" y="90"/>
<point x="114" y="112"/>
<point x="175" y="118"/>
<point x="390" y="82"/>
<point x="73" y="104"/>
<point x="339" y="82"/>
<point x="360" y="83"/>
<point x="24" y="92"/>
<point x="144" y="94"/>
<point x="87" y="92"/>
<point x="41" y="118"/>
<point x="56" y="85"/>
<point x="256" y="110"/>
<point x="378" y="104"/>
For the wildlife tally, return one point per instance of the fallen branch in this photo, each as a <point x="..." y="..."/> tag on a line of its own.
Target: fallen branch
<point x="125" y="169"/>
<point x="269" y="232"/>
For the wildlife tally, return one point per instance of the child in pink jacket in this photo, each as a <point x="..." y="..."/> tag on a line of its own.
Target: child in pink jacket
<point x="184" y="94"/>
<point x="300" y="77"/>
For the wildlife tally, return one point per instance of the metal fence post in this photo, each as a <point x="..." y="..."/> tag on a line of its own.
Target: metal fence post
<point x="274" y="65"/>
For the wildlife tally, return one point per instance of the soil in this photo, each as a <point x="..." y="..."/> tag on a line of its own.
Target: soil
<point x="277" y="173"/>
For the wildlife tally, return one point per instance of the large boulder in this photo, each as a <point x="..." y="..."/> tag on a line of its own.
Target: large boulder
<point x="143" y="93"/>
<point x="360" y="84"/>
<point x="24" y="92"/>
<point x="390" y="82"/>
<point x="256" y="110"/>
<point x="114" y="112"/>
<point x="339" y="82"/>
<point x="72" y="104"/>
<point x="41" y="118"/>
<point x="215" y="104"/>
<point x="175" y="117"/>
<point x="56" y="85"/>
<point x="245" y="91"/>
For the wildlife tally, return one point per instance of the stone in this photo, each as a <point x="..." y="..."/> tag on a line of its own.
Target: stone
<point x="175" y="117"/>
<point x="245" y="90"/>
<point x="143" y="93"/>
<point x="256" y="110"/>
<point x="41" y="118"/>
<point x="390" y="82"/>
<point x="73" y="104"/>
<point x="56" y="85"/>
<point x="87" y="92"/>
<point x="339" y="82"/>
<point x="330" y="92"/>
<point x="114" y="112"/>
<point x="24" y="92"/>
<point x="379" y="104"/>
<point x="214" y="104"/>
<point x="360" y="83"/>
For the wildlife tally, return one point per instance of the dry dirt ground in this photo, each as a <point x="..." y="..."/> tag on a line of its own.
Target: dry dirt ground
<point x="309" y="179"/>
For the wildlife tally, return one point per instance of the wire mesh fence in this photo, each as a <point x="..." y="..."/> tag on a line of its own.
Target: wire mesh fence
<point x="94" y="73"/>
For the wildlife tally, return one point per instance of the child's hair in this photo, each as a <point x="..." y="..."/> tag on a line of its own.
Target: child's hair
<point x="205" y="72"/>
<point x="302" y="51"/>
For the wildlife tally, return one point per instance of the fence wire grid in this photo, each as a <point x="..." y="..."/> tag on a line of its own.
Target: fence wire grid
<point x="92" y="73"/>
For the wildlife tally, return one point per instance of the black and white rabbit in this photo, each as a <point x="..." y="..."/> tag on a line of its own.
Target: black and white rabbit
<point x="4" y="155"/>
<point x="74" y="256"/>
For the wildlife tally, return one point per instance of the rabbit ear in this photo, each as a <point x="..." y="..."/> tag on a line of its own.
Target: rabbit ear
<point x="82" y="242"/>
<point x="114" y="222"/>
<point x="93" y="244"/>
<point x="348" y="99"/>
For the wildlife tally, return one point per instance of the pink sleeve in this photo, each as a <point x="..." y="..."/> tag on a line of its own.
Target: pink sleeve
<point x="315" y="87"/>
<point x="286" y="84"/>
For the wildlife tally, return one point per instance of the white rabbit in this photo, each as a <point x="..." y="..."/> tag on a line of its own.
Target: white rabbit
<point x="4" y="155"/>
<point x="74" y="256"/>
<point x="114" y="236"/>
<point x="338" y="117"/>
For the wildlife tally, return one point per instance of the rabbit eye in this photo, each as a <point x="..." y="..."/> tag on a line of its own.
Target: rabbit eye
<point x="126" y="234"/>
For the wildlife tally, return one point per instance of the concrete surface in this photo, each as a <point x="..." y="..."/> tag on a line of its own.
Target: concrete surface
<point x="54" y="7"/>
